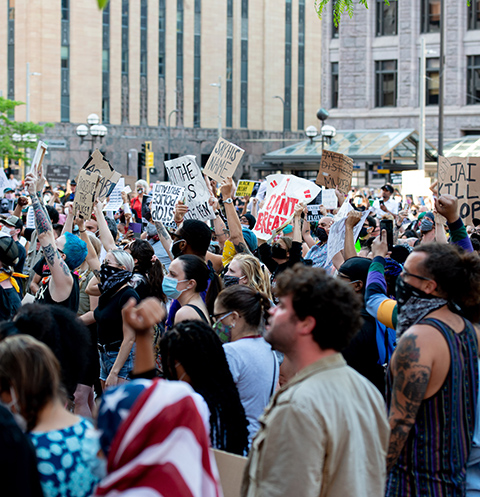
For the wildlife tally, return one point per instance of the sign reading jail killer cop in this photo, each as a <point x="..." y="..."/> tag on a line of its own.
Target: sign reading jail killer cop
<point x="87" y="183"/>
<point x="164" y="198"/>
<point x="284" y="192"/>
<point x="335" y="170"/>
<point x="185" y="172"/>
<point x="223" y="161"/>
<point x="460" y="176"/>
<point x="108" y="177"/>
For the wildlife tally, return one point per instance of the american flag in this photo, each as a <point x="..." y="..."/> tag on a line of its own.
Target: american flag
<point x="162" y="447"/>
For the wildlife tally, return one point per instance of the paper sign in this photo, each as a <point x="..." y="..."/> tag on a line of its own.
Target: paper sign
<point x="87" y="183"/>
<point x="115" y="198"/>
<point x="223" y="161"/>
<point x="185" y="172"/>
<point x="38" y="157"/>
<point x="4" y="183"/>
<point x="108" y="177"/>
<point x="327" y="198"/>
<point x="336" y="236"/>
<point x="335" y="170"/>
<point x="460" y="176"/>
<point x="164" y="198"/>
<point x="284" y="192"/>
<point x="30" y="218"/>
<point x="247" y="188"/>
<point x="127" y="189"/>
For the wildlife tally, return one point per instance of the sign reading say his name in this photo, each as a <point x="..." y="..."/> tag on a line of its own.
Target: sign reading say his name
<point x="108" y="177"/>
<point x="460" y="176"/>
<point x="85" y="193"/>
<point x="185" y="172"/>
<point x="335" y="170"/>
<point x="223" y="161"/>
<point x="164" y="198"/>
<point x="284" y="192"/>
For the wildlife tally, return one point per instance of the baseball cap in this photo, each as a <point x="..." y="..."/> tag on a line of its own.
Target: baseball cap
<point x="14" y="222"/>
<point x="8" y="251"/>
<point x="8" y="189"/>
<point x="73" y="182"/>
<point x="388" y="188"/>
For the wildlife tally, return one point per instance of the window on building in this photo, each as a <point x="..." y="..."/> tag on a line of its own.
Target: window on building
<point x="244" y="67"/>
<point x="386" y="18"/>
<point x="161" y="39"/>
<point x="65" y="63"/>
<point x="11" y="53"/>
<point x="334" y="103"/>
<point x="430" y="16"/>
<point x="473" y="80"/>
<point x="433" y="81"/>
<point x="179" y="88"/>
<point x="125" y="37"/>
<point x="143" y="37"/>
<point x="229" y="95"/>
<point x="125" y="62"/>
<point x="301" y="66"/>
<point x="386" y="83"/>
<point x="474" y="14"/>
<point x="197" y="47"/>
<point x="287" y="105"/>
<point x="335" y="29"/>
<point x="106" y="65"/>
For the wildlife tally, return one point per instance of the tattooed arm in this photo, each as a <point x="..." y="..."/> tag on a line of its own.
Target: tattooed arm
<point x="411" y="368"/>
<point x="164" y="238"/>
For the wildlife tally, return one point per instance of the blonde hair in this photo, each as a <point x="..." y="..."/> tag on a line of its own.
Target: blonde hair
<point x="257" y="276"/>
<point x="96" y="243"/>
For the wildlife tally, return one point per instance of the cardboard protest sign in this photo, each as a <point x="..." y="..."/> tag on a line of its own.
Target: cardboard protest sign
<point x="108" y="177"/>
<point x="164" y="198"/>
<point x="230" y="470"/>
<point x="87" y="183"/>
<point x="284" y="192"/>
<point x="115" y="198"/>
<point x="335" y="170"/>
<point x="38" y="157"/>
<point x="223" y="161"/>
<point x="185" y="172"/>
<point x="4" y="183"/>
<point x="247" y="188"/>
<point x="460" y="176"/>
<point x="327" y="198"/>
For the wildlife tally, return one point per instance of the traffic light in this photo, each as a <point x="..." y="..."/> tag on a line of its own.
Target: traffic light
<point x="141" y="159"/>
<point x="149" y="161"/>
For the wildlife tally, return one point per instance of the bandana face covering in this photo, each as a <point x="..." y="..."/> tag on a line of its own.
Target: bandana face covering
<point x="112" y="278"/>
<point x="278" y="252"/>
<point x="230" y="280"/>
<point x="322" y="235"/>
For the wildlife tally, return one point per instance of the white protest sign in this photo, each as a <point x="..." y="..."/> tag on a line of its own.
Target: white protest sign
<point x="325" y="198"/>
<point x="336" y="236"/>
<point x="164" y="198"/>
<point x="115" y="198"/>
<point x="223" y="160"/>
<point x="4" y="183"/>
<point x="185" y="172"/>
<point x="38" y="157"/>
<point x="30" y="218"/>
<point x="284" y="192"/>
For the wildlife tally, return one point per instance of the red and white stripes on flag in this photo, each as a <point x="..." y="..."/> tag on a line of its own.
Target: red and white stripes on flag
<point x="162" y="448"/>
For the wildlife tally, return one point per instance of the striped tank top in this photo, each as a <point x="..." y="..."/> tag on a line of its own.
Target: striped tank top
<point x="434" y="459"/>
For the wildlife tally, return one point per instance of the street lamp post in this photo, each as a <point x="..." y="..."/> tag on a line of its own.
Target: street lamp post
<point x="219" y="86"/>
<point x="283" y="132"/>
<point x="96" y="130"/>
<point x="174" y="111"/>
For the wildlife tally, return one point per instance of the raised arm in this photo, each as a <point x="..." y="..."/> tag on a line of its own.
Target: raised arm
<point x="353" y="218"/>
<point x="164" y="237"/>
<point x="447" y="206"/>
<point x="92" y="258"/>
<point x="105" y="236"/>
<point x="21" y="203"/>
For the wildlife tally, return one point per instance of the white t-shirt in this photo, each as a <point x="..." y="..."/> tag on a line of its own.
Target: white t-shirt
<point x="391" y="204"/>
<point x="255" y="371"/>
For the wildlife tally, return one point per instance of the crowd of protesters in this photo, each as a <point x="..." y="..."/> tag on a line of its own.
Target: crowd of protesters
<point x="126" y="357"/>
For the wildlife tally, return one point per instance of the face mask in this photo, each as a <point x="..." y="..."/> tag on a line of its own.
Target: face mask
<point x="107" y="271"/>
<point x="404" y="291"/>
<point x="363" y="232"/>
<point x="10" y="196"/>
<point x="5" y="231"/>
<point x="140" y="191"/>
<point x="175" y="249"/>
<point x="169" y="287"/>
<point x="19" y="419"/>
<point x="231" y="280"/>
<point x="278" y="252"/>
<point x="223" y="331"/>
<point x="322" y="235"/>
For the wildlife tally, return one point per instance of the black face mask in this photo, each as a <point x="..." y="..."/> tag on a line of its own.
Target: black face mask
<point x="363" y="232"/>
<point x="278" y="252"/>
<point x="322" y="235"/>
<point x="176" y="250"/>
<point x="230" y="280"/>
<point x="404" y="291"/>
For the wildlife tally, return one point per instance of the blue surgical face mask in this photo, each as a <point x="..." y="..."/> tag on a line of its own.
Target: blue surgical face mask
<point x="169" y="287"/>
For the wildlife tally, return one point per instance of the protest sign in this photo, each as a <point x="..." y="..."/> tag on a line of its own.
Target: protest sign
<point x="284" y="192"/>
<point x="335" y="170"/>
<point x="223" y="161"/>
<point x="460" y="176"/>
<point x="327" y="198"/>
<point x="130" y="181"/>
<point x="108" y="177"/>
<point x="247" y="188"/>
<point x="4" y="183"/>
<point x="185" y="172"/>
<point x="87" y="183"/>
<point x="164" y="198"/>
<point x="30" y="218"/>
<point x="38" y="157"/>
<point x="115" y="198"/>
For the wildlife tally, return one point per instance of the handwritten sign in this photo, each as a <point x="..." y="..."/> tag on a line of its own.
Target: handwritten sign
<point x="164" y="198"/>
<point x="460" y="176"/>
<point x="327" y="198"/>
<point x="108" y="177"/>
<point x="4" y="183"/>
<point x="335" y="170"/>
<point x="247" y="188"/>
<point x="284" y="192"/>
<point x="87" y="183"/>
<point x="185" y="172"/>
<point x="115" y="198"/>
<point x="38" y="157"/>
<point x="223" y="161"/>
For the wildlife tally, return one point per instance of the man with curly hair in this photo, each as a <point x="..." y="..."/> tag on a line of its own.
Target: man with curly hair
<point x="325" y="432"/>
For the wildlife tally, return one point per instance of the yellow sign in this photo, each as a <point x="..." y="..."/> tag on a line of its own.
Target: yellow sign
<point x="383" y="171"/>
<point x="244" y="188"/>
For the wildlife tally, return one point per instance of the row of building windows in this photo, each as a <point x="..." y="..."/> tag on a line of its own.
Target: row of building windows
<point x="65" y="63"/>
<point x="386" y="75"/>
<point x="386" y="17"/>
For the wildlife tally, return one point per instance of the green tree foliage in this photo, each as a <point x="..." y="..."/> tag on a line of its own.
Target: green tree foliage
<point x="339" y="8"/>
<point x="10" y="148"/>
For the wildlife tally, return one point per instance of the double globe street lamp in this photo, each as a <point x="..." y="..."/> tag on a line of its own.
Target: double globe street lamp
<point x="96" y="130"/>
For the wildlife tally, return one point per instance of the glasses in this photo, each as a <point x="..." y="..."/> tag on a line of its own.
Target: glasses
<point x="406" y="273"/>
<point x="215" y="317"/>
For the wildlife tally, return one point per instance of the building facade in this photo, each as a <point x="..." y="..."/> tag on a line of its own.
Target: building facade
<point x="146" y="67"/>
<point x="371" y="67"/>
